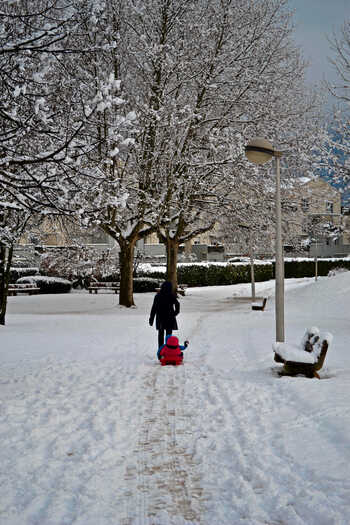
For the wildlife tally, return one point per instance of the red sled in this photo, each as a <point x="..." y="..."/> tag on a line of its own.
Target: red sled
<point x="174" y="362"/>
<point x="170" y="353"/>
<point x="171" y="356"/>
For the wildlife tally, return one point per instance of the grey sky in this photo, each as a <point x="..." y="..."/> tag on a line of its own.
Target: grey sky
<point x="314" y="20"/>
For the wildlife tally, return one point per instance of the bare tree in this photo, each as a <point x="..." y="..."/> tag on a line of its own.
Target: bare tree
<point x="13" y="221"/>
<point x="33" y="138"/>
<point x="339" y="143"/>
<point x="196" y="79"/>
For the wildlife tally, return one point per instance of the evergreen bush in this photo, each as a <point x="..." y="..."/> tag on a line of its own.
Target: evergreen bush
<point x="216" y="275"/>
<point x="146" y="284"/>
<point x="17" y="273"/>
<point x="47" y="284"/>
<point x="156" y="274"/>
<point x="306" y="268"/>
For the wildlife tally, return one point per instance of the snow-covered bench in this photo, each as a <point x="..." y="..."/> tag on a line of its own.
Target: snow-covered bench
<point x="307" y="357"/>
<point x="16" y="288"/>
<point x="98" y="286"/>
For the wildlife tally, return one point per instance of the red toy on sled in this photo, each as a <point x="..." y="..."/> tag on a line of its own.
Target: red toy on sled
<point x="171" y="353"/>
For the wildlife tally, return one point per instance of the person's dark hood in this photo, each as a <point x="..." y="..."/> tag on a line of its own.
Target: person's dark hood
<point x="166" y="288"/>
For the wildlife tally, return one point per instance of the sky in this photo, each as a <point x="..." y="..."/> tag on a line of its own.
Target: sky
<point x="315" y="20"/>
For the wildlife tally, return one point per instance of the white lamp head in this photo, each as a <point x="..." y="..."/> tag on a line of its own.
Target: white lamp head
<point x="259" y="150"/>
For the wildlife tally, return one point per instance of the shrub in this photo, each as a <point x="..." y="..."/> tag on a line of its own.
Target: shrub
<point x="146" y="284"/>
<point x="17" y="273"/>
<point x="150" y="273"/>
<point x="47" y="284"/>
<point x="215" y="275"/>
<point x="306" y="268"/>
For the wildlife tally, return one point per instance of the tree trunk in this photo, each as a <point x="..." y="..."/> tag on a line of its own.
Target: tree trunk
<point x="126" y="259"/>
<point x="5" y="266"/>
<point x="172" y="249"/>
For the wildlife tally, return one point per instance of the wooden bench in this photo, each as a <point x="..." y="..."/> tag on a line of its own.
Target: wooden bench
<point x="305" y="359"/>
<point x="181" y="289"/>
<point x="261" y="306"/>
<point x="96" y="287"/>
<point x="30" y="289"/>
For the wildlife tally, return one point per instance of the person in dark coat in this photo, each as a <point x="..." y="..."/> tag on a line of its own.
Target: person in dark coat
<point x="165" y="308"/>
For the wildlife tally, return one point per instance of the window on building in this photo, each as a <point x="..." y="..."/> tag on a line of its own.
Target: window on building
<point x="329" y="207"/>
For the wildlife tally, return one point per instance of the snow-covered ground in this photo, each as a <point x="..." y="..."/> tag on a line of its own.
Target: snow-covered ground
<point x="94" y="432"/>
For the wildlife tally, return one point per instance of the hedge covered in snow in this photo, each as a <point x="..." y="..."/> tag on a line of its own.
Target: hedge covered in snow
<point x="47" y="284"/>
<point x="207" y="274"/>
<point x="214" y="274"/>
<point x="17" y="273"/>
<point x="146" y="284"/>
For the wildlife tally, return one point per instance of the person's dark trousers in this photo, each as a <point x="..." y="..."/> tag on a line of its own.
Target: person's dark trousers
<point x="161" y="335"/>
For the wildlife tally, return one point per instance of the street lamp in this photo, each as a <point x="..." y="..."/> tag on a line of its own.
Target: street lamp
<point x="259" y="151"/>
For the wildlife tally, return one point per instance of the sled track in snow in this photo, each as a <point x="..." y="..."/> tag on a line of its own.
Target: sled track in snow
<point x="164" y="476"/>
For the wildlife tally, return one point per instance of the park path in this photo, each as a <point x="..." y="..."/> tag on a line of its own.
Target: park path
<point x="163" y="476"/>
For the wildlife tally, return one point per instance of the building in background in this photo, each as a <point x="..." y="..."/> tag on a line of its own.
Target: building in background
<point x="313" y="223"/>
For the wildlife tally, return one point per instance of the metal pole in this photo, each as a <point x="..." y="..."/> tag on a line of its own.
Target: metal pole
<point x="252" y="274"/>
<point x="279" y="282"/>
<point x="316" y="262"/>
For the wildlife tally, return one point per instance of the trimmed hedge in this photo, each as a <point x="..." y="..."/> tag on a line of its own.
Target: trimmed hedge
<point x="216" y="275"/>
<point x="47" y="284"/>
<point x="146" y="284"/>
<point x="160" y="275"/>
<point x="299" y="269"/>
<point x="17" y="273"/>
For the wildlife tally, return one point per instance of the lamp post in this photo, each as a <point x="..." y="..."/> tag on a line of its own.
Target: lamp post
<point x="259" y="151"/>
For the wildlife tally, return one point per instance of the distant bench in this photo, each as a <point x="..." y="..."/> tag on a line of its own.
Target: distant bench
<point x="259" y="306"/>
<point x="95" y="287"/>
<point x="30" y="289"/>
<point x="181" y="289"/>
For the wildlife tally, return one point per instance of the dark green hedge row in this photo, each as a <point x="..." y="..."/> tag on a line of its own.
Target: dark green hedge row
<point x="146" y="284"/>
<point x="307" y="268"/>
<point x="48" y="284"/>
<point x="160" y="275"/>
<point x="16" y="273"/>
<point x="215" y="275"/>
